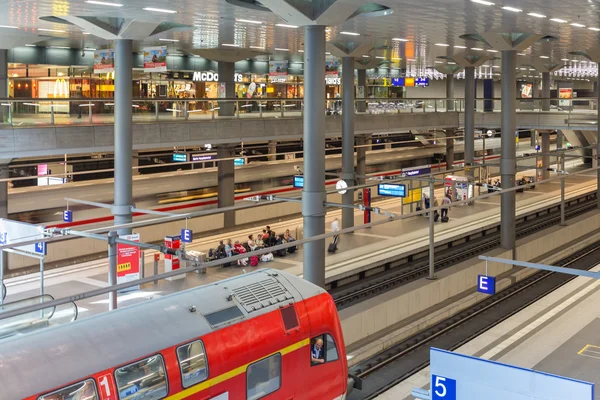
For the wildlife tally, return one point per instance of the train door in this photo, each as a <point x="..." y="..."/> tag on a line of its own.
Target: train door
<point x="326" y="372"/>
<point x="106" y="387"/>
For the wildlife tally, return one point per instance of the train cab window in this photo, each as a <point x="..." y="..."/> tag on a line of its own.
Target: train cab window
<point x="192" y="362"/>
<point x="290" y="320"/>
<point x="263" y="377"/>
<point x="85" y="390"/>
<point x="145" y="379"/>
<point x="323" y="350"/>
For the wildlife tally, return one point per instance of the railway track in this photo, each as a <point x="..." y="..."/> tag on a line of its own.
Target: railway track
<point x="399" y="362"/>
<point x="391" y="278"/>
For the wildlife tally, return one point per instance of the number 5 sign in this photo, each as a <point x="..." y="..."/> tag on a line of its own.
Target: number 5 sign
<point x="107" y="389"/>
<point x="442" y="388"/>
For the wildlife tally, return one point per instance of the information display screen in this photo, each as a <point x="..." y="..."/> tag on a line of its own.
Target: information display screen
<point x="391" y="190"/>
<point x="239" y="161"/>
<point x="179" y="157"/>
<point x="298" y="181"/>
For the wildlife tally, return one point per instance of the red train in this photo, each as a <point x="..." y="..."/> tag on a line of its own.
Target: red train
<point x="262" y="335"/>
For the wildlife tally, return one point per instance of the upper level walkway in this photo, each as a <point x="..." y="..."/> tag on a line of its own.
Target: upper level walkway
<point x="53" y="127"/>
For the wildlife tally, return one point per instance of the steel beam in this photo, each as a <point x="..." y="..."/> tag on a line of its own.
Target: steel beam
<point x="509" y="149"/>
<point x="348" y="138"/>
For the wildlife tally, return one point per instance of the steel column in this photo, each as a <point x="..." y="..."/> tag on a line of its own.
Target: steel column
<point x="598" y="141"/>
<point x="361" y="159"/>
<point x="4" y="110"/>
<point x="508" y="148"/>
<point x="112" y="270"/>
<point x="361" y="106"/>
<point x="226" y="71"/>
<point x="348" y="139"/>
<point x="431" y="229"/>
<point x="546" y="91"/>
<point x="272" y="149"/>
<point x="123" y="137"/>
<point x="313" y="194"/>
<point x="450" y="92"/>
<point x="469" y="117"/>
<point x="450" y="148"/>
<point x="226" y="187"/>
<point x="4" y="174"/>
<point x="546" y="155"/>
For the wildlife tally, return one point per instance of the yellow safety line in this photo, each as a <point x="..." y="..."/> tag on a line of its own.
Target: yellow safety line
<point x="234" y="372"/>
<point x="584" y="349"/>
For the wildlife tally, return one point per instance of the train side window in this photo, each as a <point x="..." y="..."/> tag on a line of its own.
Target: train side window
<point x="78" y="391"/>
<point x="145" y="379"/>
<point x="323" y="350"/>
<point x="192" y="362"/>
<point x="263" y="377"/>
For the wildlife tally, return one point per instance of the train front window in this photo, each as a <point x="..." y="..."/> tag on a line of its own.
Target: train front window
<point x="192" y="362"/>
<point x="263" y="377"/>
<point x="145" y="379"/>
<point x="323" y="350"/>
<point x="85" y="390"/>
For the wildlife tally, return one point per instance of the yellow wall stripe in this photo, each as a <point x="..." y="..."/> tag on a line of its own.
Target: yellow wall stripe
<point x="234" y="372"/>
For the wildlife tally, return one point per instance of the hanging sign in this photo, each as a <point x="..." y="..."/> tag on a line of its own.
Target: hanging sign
<point x="104" y="61"/>
<point x="155" y="59"/>
<point x="332" y="67"/>
<point x="278" y="68"/>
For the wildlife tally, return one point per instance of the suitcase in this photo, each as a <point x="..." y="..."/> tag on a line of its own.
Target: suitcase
<point x="332" y="247"/>
<point x="254" y="261"/>
<point x="445" y="218"/>
<point x="436" y="216"/>
<point x="281" y="253"/>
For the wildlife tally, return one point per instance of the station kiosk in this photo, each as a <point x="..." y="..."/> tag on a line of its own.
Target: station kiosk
<point x="459" y="188"/>
<point x="172" y="262"/>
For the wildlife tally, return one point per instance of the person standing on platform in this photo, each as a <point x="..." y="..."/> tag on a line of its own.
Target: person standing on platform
<point x="445" y="205"/>
<point x="335" y="227"/>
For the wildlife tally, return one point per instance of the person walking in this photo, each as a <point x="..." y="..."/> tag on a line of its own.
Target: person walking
<point x="335" y="227"/>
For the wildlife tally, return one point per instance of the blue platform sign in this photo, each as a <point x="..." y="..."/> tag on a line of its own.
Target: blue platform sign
<point x="422" y="82"/>
<point x="486" y="284"/>
<point x="442" y="388"/>
<point x="391" y="190"/>
<point x="186" y="236"/>
<point x="179" y="157"/>
<point x="416" y="171"/>
<point x="67" y="216"/>
<point x="457" y="376"/>
<point x="298" y="181"/>
<point x="40" y="248"/>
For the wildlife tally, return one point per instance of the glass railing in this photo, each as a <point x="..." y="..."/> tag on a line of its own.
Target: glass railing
<point x="34" y="320"/>
<point x="50" y="112"/>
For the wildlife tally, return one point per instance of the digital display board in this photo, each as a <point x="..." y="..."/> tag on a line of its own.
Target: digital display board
<point x="298" y="181"/>
<point x="239" y="161"/>
<point x="202" y="157"/>
<point x="422" y="82"/>
<point x="526" y="90"/>
<point x="391" y="190"/>
<point x="409" y="82"/>
<point x="416" y="171"/>
<point x="179" y="157"/>
<point x="397" y="81"/>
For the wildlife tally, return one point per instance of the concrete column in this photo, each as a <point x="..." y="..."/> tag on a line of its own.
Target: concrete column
<point x="123" y="136"/>
<point x="313" y="194"/>
<point x="545" y="155"/>
<point x="272" y="149"/>
<point x="348" y="139"/>
<point x="361" y="159"/>
<point x="4" y="174"/>
<point x="450" y="92"/>
<point x="469" y="117"/>
<point x="226" y="179"/>
<point x="361" y="106"/>
<point x="508" y="148"/>
<point x="545" y="91"/>
<point x="135" y="161"/>
<point x="450" y="148"/>
<point x="226" y="72"/>
<point x="559" y="139"/>
<point x="3" y="84"/>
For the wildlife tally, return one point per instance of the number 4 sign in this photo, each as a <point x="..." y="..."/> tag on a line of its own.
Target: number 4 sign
<point x="442" y="388"/>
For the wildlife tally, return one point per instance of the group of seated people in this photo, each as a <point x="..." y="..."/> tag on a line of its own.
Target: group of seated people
<point x="267" y="238"/>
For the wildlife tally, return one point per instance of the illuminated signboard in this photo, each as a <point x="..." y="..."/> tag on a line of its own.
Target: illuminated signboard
<point x="392" y="190"/>
<point x="416" y="171"/>
<point x="298" y="181"/>
<point x="239" y="161"/>
<point x="397" y="81"/>
<point x="202" y="157"/>
<point x="179" y="157"/>
<point x="422" y="82"/>
<point x="408" y="82"/>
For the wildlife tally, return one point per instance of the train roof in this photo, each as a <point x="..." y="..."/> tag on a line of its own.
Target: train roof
<point x="52" y="357"/>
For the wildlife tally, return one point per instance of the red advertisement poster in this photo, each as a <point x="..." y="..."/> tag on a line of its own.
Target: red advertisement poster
<point x="128" y="259"/>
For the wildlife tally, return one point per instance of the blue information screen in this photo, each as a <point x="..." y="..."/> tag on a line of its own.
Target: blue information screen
<point x="416" y="171"/>
<point x="179" y="157"/>
<point x="298" y="181"/>
<point x="421" y="81"/>
<point x="397" y="81"/>
<point x="392" y="190"/>
<point x="239" y="161"/>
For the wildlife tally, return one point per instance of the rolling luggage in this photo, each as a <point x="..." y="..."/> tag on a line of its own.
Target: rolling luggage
<point x="332" y="247"/>
<point x="254" y="261"/>
<point x="445" y="218"/>
<point x="436" y="216"/>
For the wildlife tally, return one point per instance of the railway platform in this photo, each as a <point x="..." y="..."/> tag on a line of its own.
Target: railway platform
<point x="358" y="252"/>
